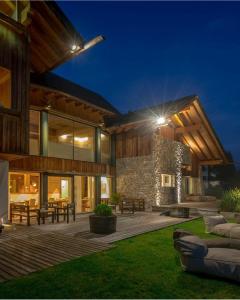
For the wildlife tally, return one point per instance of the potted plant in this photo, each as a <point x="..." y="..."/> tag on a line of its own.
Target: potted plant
<point x="115" y="200"/>
<point x="103" y="221"/>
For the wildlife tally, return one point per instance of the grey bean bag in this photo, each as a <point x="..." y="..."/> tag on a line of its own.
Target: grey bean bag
<point x="218" y="225"/>
<point x="219" y="257"/>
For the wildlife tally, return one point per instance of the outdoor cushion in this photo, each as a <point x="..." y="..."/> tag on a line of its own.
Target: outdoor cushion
<point x="224" y="229"/>
<point x="219" y="262"/>
<point x="235" y="232"/>
<point x="221" y="259"/>
<point x="212" y="221"/>
<point x="191" y="245"/>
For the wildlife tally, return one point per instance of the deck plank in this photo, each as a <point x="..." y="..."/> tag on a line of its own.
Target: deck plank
<point x="21" y="254"/>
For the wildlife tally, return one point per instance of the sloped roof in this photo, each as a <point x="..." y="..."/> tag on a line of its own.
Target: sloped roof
<point x="55" y="82"/>
<point x="189" y="121"/>
<point x="167" y="109"/>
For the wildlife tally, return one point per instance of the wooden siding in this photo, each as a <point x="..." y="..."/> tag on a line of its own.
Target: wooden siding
<point x="133" y="143"/>
<point x="14" y="121"/>
<point x="138" y="142"/>
<point x="59" y="165"/>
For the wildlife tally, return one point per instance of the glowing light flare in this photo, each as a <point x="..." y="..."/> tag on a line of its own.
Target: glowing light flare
<point x="161" y="120"/>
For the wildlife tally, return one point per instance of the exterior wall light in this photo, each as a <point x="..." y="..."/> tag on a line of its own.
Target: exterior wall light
<point x="74" y="48"/>
<point x="161" y="120"/>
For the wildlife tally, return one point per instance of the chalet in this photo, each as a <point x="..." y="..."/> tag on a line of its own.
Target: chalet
<point x="60" y="142"/>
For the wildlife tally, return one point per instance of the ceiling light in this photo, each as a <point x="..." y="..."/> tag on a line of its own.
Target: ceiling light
<point x="81" y="139"/>
<point x="161" y="120"/>
<point x="64" y="136"/>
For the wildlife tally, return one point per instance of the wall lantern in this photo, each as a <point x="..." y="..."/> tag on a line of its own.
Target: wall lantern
<point x="161" y="120"/>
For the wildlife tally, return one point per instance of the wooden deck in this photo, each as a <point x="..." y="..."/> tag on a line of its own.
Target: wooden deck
<point x="26" y="251"/>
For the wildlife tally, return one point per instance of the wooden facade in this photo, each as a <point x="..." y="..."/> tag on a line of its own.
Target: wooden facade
<point x="59" y="165"/>
<point x="14" y="56"/>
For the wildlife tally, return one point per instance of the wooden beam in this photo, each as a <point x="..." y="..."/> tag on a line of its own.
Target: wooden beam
<point x="201" y="115"/>
<point x="188" y="128"/>
<point x="211" y="162"/>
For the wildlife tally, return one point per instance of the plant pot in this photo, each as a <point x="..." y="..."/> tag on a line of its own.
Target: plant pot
<point x="103" y="224"/>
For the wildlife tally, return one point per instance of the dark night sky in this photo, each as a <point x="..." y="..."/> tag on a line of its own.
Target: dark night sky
<point x="156" y="51"/>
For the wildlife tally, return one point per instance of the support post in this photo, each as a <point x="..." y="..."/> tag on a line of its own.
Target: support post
<point x="4" y="168"/>
<point x="44" y="190"/>
<point x="98" y="145"/>
<point x="98" y="189"/>
<point x="44" y="134"/>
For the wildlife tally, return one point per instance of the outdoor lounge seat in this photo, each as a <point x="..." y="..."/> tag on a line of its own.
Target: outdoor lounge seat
<point x="218" y="257"/>
<point x="219" y="226"/>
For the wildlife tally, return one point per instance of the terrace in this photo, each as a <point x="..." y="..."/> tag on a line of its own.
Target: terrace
<point x="145" y="266"/>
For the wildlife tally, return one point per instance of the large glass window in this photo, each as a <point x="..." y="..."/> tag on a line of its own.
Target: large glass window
<point x="60" y="137"/>
<point x="24" y="188"/>
<point x="69" y="139"/>
<point x="105" y="148"/>
<point x="106" y="187"/>
<point x="59" y="189"/>
<point x="34" y="132"/>
<point x="84" y="146"/>
<point x="5" y="88"/>
<point x="17" y="10"/>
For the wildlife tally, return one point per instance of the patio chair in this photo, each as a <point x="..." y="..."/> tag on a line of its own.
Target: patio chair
<point x="23" y="212"/>
<point x="43" y="214"/>
<point x="127" y="205"/>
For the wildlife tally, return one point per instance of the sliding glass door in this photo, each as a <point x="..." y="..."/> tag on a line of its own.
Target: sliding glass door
<point x="84" y="193"/>
<point x="60" y="190"/>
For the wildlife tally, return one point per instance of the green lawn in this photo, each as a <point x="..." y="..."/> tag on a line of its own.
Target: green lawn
<point x="142" y="267"/>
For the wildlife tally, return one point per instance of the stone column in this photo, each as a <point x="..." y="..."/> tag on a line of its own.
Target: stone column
<point x="4" y="168"/>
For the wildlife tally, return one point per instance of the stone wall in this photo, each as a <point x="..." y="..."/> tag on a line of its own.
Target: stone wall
<point x="140" y="177"/>
<point x="135" y="178"/>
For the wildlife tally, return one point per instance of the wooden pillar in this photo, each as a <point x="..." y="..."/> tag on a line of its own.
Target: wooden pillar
<point x="4" y="169"/>
<point x="44" y="134"/>
<point x="44" y="190"/>
<point x="98" y="189"/>
<point x="113" y="150"/>
<point x="97" y="145"/>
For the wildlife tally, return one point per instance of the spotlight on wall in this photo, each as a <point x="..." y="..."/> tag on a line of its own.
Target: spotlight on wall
<point x="161" y="120"/>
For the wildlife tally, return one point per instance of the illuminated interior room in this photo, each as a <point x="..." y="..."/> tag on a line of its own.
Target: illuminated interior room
<point x="24" y="188"/>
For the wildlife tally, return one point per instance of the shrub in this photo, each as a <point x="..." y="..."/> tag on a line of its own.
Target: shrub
<point x="115" y="198"/>
<point x="103" y="210"/>
<point x="231" y="200"/>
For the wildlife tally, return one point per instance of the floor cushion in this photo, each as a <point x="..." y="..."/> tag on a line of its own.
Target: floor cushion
<point x="212" y="221"/>
<point x="220" y="262"/>
<point x="191" y="245"/>
<point x="235" y="232"/>
<point x="224" y="229"/>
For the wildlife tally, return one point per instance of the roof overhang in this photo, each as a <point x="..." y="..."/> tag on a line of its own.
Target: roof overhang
<point x="54" y="40"/>
<point x="189" y="121"/>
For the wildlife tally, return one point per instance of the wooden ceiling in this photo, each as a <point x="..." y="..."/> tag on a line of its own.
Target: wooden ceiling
<point x="52" y="36"/>
<point x="193" y="128"/>
<point x="44" y="98"/>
